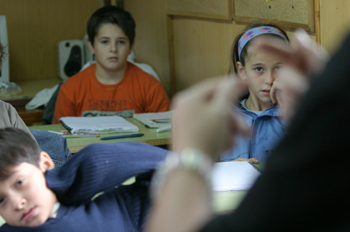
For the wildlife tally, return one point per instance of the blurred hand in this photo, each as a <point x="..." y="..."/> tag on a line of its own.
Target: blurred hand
<point x="303" y="54"/>
<point x="204" y="119"/>
<point x="275" y="91"/>
<point x="303" y="59"/>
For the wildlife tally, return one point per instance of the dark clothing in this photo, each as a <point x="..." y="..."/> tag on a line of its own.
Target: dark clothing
<point x="305" y="186"/>
<point x="50" y="107"/>
<point x="97" y="168"/>
<point x="55" y="145"/>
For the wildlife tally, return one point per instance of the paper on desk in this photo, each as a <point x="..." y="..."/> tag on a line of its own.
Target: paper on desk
<point x="96" y="124"/>
<point x="150" y="119"/>
<point x="233" y="176"/>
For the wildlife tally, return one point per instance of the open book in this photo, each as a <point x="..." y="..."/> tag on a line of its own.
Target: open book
<point x="154" y="120"/>
<point x="77" y="125"/>
<point x="233" y="176"/>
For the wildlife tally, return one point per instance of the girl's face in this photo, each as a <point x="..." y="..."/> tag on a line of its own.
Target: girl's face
<point x="260" y="71"/>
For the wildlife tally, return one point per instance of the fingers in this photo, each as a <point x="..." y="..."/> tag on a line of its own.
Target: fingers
<point x="228" y="90"/>
<point x="277" y="47"/>
<point x="276" y="88"/>
<point x="311" y="54"/>
<point x="303" y="53"/>
<point x="273" y="93"/>
<point x="202" y="90"/>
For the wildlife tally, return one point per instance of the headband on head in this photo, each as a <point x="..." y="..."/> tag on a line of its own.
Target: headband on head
<point x="252" y="33"/>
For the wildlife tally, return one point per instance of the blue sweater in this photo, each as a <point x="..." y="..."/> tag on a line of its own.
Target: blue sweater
<point x="96" y="168"/>
<point x="266" y="131"/>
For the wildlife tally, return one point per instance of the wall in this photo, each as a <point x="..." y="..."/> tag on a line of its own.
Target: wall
<point x="335" y="22"/>
<point x="151" y="42"/>
<point x="201" y="46"/>
<point x="35" y="26"/>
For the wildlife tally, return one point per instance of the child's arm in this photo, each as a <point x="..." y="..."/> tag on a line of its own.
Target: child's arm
<point x="100" y="167"/>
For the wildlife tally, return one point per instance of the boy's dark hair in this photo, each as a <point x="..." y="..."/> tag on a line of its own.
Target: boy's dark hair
<point x="16" y="147"/>
<point x="244" y="53"/>
<point x="112" y="15"/>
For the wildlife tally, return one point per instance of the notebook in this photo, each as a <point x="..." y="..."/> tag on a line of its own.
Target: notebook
<point x="154" y="120"/>
<point x="81" y="125"/>
<point x="234" y="176"/>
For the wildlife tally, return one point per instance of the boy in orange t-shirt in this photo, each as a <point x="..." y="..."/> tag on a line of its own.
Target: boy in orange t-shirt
<point x="112" y="85"/>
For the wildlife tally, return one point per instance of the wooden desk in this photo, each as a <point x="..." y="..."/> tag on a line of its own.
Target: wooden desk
<point x="29" y="90"/>
<point x="75" y="144"/>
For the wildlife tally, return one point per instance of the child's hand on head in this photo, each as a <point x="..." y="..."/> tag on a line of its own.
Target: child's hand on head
<point x="275" y="91"/>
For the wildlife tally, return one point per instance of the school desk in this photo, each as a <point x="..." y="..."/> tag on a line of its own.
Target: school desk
<point x="75" y="144"/>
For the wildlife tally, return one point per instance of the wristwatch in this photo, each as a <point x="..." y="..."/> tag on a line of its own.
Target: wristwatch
<point x="189" y="159"/>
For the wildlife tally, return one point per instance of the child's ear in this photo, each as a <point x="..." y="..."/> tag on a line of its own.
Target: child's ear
<point x="240" y="70"/>
<point x="45" y="162"/>
<point x="91" y="47"/>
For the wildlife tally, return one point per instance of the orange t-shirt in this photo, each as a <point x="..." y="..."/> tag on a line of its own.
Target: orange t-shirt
<point x="83" y="95"/>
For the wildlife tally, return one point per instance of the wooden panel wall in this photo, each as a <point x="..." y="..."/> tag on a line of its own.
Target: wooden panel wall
<point x="335" y="22"/>
<point x="219" y="9"/>
<point x="203" y="49"/>
<point x="293" y="14"/>
<point x="202" y="46"/>
<point x="151" y="42"/>
<point x="35" y="26"/>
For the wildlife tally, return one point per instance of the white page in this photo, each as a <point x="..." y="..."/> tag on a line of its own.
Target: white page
<point x="147" y="119"/>
<point x="95" y="124"/>
<point x="233" y="176"/>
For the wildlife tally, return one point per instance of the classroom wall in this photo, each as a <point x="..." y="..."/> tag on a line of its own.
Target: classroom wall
<point x="335" y="22"/>
<point x="151" y="42"/>
<point x="201" y="46"/>
<point x="35" y="26"/>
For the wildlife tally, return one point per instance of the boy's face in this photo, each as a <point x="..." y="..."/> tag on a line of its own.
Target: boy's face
<point x="25" y="199"/>
<point x="111" y="48"/>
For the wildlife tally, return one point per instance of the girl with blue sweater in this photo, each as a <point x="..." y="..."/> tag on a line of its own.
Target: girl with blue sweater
<point x="259" y="107"/>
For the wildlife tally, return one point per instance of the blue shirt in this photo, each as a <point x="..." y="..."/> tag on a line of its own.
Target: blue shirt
<point x="267" y="129"/>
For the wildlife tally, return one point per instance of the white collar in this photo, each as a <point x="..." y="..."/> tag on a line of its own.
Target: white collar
<point x="54" y="210"/>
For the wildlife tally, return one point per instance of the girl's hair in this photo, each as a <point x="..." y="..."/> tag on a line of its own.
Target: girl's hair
<point x="234" y="50"/>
